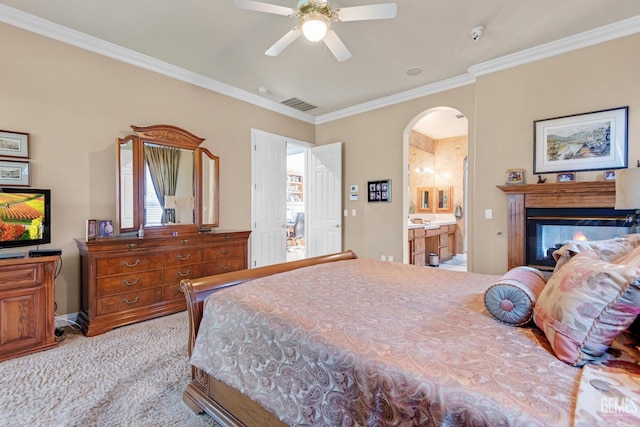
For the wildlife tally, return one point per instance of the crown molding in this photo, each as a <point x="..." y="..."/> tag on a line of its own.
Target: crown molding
<point x="66" y="35"/>
<point x="407" y="95"/>
<point x="588" y="38"/>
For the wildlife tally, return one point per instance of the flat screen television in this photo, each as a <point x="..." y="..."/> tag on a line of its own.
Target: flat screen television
<point x="25" y="217"/>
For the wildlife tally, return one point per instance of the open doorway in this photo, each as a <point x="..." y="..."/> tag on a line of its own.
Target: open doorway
<point x="436" y="197"/>
<point x="296" y="196"/>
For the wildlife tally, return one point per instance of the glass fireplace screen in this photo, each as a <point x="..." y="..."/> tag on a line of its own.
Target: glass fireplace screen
<point x="549" y="229"/>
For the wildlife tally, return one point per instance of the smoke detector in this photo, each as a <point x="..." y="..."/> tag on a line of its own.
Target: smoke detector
<point x="477" y="32"/>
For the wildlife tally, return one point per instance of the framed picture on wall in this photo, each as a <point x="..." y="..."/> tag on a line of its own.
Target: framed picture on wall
<point x="581" y="142"/>
<point x="379" y="191"/>
<point x="14" y="144"/>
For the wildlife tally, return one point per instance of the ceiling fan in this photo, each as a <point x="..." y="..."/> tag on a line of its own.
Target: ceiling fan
<point x="314" y="21"/>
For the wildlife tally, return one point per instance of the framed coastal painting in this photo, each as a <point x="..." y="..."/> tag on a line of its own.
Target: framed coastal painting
<point x="581" y="142"/>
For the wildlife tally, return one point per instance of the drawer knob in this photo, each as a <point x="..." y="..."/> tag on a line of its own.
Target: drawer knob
<point x="224" y="251"/>
<point x="225" y="267"/>
<point x="183" y="258"/>
<point x="126" y="263"/>
<point x="132" y="302"/>
<point x="184" y="274"/>
<point x="132" y="245"/>
<point x="128" y="283"/>
<point x="185" y="241"/>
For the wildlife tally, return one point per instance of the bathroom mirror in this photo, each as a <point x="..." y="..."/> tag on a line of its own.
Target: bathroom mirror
<point x="167" y="183"/>
<point x="424" y="200"/>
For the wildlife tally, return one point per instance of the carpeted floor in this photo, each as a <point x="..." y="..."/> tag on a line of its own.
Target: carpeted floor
<point x="131" y="376"/>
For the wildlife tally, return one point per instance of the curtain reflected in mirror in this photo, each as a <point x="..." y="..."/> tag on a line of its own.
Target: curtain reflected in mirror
<point x="169" y="190"/>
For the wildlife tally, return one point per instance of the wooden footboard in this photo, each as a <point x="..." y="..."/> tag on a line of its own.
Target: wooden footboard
<point x="204" y="393"/>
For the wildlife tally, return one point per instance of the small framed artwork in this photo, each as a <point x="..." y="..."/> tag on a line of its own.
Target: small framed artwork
<point x="379" y="191"/>
<point x="14" y="144"/>
<point x="609" y="175"/>
<point x="581" y="142"/>
<point x="13" y="173"/>
<point x="515" y="176"/>
<point x="105" y="228"/>
<point x="566" y="177"/>
<point x="91" y="232"/>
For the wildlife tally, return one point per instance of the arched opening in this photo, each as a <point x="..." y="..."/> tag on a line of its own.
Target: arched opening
<point x="435" y="197"/>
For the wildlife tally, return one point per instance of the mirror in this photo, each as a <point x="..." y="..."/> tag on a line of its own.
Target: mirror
<point x="167" y="184"/>
<point x="424" y="203"/>
<point x="444" y="199"/>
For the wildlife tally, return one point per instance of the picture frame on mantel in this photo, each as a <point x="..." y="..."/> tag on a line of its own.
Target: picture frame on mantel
<point x="581" y="142"/>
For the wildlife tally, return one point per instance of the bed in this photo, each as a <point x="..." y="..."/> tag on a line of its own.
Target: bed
<point x="337" y="340"/>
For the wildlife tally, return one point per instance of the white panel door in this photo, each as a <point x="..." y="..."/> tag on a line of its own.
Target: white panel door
<point x="269" y="204"/>
<point x="324" y="195"/>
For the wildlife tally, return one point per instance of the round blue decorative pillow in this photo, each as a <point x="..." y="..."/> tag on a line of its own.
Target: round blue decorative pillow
<point x="511" y="299"/>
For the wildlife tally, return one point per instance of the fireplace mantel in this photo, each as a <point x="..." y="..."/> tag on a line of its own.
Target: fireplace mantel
<point x="594" y="194"/>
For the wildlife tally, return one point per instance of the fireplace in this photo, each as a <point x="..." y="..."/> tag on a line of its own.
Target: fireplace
<point x="559" y="196"/>
<point x="547" y="229"/>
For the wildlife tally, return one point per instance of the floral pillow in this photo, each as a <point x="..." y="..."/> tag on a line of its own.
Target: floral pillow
<point x="608" y="250"/>
<point x="585" y="305"/>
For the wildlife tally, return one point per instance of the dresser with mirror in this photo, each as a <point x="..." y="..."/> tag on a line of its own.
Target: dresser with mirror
<point x="167" y="229"/>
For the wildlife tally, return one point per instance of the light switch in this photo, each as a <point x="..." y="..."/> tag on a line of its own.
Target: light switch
<point x="346" y="212"/>
<point x="488" y="214"/>
<point x="353" y="212"/>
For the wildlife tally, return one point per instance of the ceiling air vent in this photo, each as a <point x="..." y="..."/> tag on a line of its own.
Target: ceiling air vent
<point x="298" y="104"/>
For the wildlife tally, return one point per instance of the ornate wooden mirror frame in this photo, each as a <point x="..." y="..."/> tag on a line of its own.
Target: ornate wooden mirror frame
<point x="191" y="201"/>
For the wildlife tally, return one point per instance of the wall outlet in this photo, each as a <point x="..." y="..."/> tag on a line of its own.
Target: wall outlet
<point x="383" y="257"/>
<point x="390" y="258"/>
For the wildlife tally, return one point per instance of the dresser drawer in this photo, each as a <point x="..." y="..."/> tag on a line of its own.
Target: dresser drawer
<point x="128" y="301"/>
<point x="127" y="264"/>
<point x="128" y="282"/>
<point x="223" y="266"/>
<point x="182" y="257"/>
<point x="223" y="252"/>
<point x="172" y="292"/>
<point x="174" y="275"/>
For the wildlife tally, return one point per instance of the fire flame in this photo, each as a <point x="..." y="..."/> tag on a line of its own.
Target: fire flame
<point x="579" y="236"/>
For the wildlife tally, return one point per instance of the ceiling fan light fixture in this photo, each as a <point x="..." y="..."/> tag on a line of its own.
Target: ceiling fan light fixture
<point x="314" y="26"/>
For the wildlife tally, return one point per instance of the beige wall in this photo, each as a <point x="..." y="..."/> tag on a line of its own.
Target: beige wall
<point x="501" y="108"/>
<point x="74" y="104"/>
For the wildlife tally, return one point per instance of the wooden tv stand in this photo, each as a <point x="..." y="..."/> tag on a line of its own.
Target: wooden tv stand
<point x="27" y="305"/>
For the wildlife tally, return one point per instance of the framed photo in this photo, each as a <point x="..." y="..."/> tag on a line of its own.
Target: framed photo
<point x="379" y="191"/>
<point x="515" y="176"/>
<point x="91" y="232"/>
<point x="609" y="175"/>
<point x="590" y="141"/>
<point x="105" y="228"/>
<point x="13" y="173"/>
<point x="566" y="177"/>
<point x="14" y="144"/>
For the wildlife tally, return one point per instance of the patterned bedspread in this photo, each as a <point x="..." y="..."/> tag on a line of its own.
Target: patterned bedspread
<point x="365" y="342"/>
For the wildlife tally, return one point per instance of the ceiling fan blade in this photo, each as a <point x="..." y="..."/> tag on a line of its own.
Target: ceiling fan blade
<point x="363" y="13"/>
<point x="264" y="7"/>
<point x="336" y="46"/>
<point x="284" y="42"/>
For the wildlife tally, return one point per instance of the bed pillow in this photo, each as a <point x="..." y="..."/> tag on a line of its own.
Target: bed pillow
<point x="632" y="259"/>
<point x="608" y="250"/>
<point x="511" y="299"/>
<point x="585" y="305"/>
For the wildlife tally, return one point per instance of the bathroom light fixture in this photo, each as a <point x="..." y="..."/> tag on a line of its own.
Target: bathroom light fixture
<point x="423" y="169"/>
